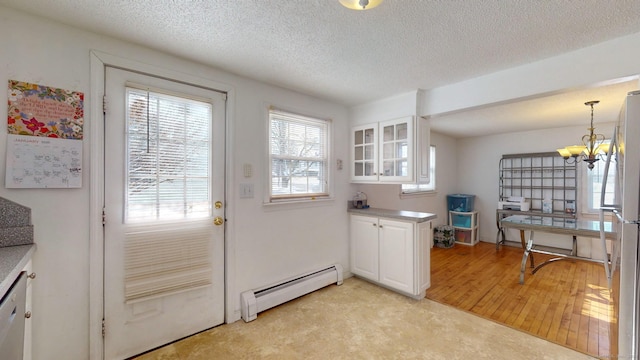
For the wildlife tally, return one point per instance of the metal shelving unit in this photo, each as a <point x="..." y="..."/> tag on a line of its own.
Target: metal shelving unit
<point x="537" y="177"/>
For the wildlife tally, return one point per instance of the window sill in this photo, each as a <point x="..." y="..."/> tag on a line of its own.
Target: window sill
<point x="409" y="195"/>
<point x="297" y="204"/>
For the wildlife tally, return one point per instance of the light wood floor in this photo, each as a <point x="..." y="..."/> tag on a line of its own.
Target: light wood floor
<point x="566" y="302"/>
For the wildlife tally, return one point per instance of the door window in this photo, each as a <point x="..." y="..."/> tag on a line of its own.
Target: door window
<point x="168" y="152"/>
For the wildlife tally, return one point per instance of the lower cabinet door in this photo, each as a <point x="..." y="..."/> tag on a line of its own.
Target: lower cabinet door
<point x="364" y="246"/>
<point x="396" y="255"/>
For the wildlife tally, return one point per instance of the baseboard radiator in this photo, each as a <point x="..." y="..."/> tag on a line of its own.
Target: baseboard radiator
<point x="255" y="301"/>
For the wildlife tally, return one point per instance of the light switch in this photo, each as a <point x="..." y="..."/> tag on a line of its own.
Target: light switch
<point x="246" y="191"/>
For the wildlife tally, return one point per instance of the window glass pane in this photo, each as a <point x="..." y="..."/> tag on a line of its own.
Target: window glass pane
<point x="368" y="152"/>
<point x="358" y="137"/>
<point x="401" y="130"/>
<point x="431" y="186"/>
<point x="298" y="148"/>
<point x="169" y="157"/>
<point x="594" y="183"/>
<point x="368" y="136"/>
<point x="388" y="133"/>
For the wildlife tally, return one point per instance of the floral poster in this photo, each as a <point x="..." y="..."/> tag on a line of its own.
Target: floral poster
<point x="38" y="110"/>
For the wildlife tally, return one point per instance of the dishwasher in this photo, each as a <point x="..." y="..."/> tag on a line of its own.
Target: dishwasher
<point x="12" y="317"/>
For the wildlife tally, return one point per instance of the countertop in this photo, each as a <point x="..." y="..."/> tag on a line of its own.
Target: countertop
<point x="12" y="260"/>
<point x="394" y="214"/>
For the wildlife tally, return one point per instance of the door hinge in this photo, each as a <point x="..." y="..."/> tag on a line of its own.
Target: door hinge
<point x="104" y="217"/>
<point x="103" y="329"/>
<point x="104" y="104"/>
<point x="224" y="96"/>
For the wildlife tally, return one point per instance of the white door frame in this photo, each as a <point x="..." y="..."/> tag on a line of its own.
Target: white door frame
<point x="99" y="61"/>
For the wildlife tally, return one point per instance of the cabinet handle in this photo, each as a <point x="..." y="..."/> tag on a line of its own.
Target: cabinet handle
<point x="380" y="226"/>
<point x="27" y="314"/>
<point x="32" y="276"/>
<point x="374" y="225"/>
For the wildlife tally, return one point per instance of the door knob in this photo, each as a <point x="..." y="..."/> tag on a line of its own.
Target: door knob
<point x="218" y="204"/>
<point x="218" y="220"/>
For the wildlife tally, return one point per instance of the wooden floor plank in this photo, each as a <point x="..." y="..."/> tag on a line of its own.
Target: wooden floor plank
<point x="566" y="302"/>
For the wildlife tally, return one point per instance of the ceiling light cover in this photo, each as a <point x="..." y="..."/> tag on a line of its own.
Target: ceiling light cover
<point x="360" y="4"/>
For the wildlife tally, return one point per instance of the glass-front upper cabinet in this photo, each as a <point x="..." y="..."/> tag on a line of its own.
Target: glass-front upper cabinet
<point x="365" y="152"/>
<point x="395" y="149"/>
<point x="386" y="151"/>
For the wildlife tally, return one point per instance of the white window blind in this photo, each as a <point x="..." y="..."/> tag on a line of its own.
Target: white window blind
<point x="161" y="261"/>
<point x="169" y="157"/>
<point x="299" y="156"/>
<point x="167" y="186"/>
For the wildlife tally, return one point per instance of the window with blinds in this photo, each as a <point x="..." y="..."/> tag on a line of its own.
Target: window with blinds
<point x="167" y="249"/>
<point x="169" y="161"/>
<point x="298" y="156"/>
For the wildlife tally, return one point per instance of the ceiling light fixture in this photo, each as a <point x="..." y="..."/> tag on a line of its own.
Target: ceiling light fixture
<point x="360" y="4"/>
<point x="592" y="150"/>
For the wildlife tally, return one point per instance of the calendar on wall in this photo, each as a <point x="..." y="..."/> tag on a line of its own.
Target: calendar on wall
<point x="39" y="162"/>
<point x="45" y="127"/>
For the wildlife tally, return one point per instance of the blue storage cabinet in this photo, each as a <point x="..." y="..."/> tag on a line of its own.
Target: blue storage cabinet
<point x="465" y="225"/>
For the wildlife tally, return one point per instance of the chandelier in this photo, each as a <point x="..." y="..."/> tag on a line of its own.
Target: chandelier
<point x="360" y="4"/>
<point x="593" y="147"/>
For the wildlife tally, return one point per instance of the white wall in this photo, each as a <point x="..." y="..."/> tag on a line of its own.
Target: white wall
<point x="406" y="104"/>
<point x="470" y="166"/>
<point x="478" y="163"/>
<point x="388" y="196"/>
<point x="265" y="244"/>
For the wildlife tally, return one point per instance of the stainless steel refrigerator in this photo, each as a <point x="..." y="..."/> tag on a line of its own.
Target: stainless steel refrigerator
<point x="624" y="155"/>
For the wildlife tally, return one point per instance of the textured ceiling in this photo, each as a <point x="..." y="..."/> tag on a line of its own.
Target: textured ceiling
<point x="561" y="110"/>
<point x="320" y="48"/>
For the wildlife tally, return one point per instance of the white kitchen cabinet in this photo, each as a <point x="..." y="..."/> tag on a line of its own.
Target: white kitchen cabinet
<point x="364" y="149"/>
<point x="364" y="246"/>
<point x="15" y="277"/>
<point x="392" y="253"/>
<point x="394" y="151"/>
<point x="396" y="260"/>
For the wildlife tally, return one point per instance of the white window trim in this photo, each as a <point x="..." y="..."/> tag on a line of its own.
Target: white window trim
<point x="586" y="204"/>
<point x="432" y="179"/>
<point x="302" y="201"/>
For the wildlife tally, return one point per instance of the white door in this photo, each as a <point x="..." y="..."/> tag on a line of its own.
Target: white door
<point x="164" y="190"/>
<point x="396" y="254"/>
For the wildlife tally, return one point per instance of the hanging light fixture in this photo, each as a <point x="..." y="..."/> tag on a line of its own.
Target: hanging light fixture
<point x="360" y="4"/>
<point x="593" y="147"/>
